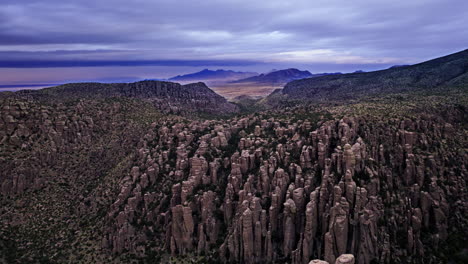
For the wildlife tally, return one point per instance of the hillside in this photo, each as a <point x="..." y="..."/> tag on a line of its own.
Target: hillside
<point x="448" y="71"/>
<point x="166" y="96"/>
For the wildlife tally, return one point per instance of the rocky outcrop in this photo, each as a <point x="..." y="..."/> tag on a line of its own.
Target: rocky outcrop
<point x="342" y="200"/>
<point x="182" y="230"/>
<point x="258" y="188"/>
<point x="342" y="259"/>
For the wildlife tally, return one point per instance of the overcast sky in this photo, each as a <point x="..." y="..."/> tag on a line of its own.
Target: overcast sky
<point x="159" y="38"/>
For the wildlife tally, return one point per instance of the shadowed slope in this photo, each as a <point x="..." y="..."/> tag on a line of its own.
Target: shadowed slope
<point x="442" y="72"/>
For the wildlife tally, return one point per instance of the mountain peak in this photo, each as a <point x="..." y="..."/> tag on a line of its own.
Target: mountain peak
<point x="207" y="74"/>
<point x="278" y="77"/>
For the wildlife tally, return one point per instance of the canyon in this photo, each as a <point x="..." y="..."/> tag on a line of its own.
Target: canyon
<point x="347" y="168"/>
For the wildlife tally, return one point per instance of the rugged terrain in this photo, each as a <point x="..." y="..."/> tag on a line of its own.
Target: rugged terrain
<point x="95" y="173"/>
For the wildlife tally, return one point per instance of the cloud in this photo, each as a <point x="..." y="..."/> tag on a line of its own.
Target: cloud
<point x="296" y="31"/>
<point x="330" y="56"/>
<point x="123" y="63"/>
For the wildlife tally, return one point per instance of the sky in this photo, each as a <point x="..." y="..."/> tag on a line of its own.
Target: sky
<point x="58" y="41"/>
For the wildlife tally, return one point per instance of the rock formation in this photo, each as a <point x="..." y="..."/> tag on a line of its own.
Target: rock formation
<point x="114" y="180"/>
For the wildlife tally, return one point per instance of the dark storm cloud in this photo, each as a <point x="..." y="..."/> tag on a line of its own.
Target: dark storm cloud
<point x="276" y="31"/>
<point x="58" y="38"/>
<point x="123" y="63"/>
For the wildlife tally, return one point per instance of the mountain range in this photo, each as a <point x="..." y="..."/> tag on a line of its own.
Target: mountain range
<point x="231" y="83"/>
<point x="281" y="76"/>
<point x="209" y="75"/>
<point x="277" y="76"/>
<point x="441" y="73"/>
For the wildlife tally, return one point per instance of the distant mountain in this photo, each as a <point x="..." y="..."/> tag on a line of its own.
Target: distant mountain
<point x="280" y="76"/>
<point x="437" y="74"/>
<point x="206" y="74"/>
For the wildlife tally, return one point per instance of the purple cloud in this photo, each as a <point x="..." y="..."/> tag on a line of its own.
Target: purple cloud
<point x="322" y="35"/>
